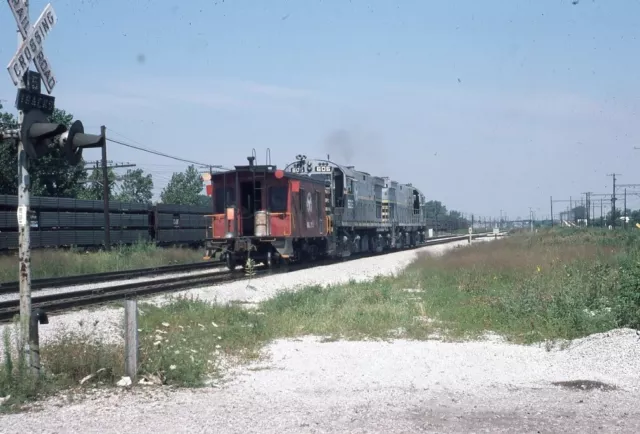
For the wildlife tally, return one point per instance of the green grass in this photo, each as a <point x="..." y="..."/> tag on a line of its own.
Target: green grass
<point x="58" y="262"/>
<point x="557" y="284"/>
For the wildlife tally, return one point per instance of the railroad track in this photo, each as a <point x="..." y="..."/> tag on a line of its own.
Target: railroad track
<point x="82" y="279"/>
<point x="57" y="302"/>
<point x="67" y="300"/>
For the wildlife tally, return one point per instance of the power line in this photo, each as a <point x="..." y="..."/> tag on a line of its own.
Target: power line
<point x="162" y="154"/>
<point x="110" y="164"/>
<point x="145" y="149"/>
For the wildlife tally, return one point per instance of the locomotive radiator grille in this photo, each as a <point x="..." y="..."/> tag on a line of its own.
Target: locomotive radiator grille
<point x="385" y="210"/>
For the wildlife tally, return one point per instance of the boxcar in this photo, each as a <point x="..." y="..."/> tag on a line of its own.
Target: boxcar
<point x="266" y="214"/>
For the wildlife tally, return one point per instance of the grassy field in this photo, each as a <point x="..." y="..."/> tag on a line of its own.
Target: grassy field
<point x="57" y="263"/>
<point x="558" y="284"/>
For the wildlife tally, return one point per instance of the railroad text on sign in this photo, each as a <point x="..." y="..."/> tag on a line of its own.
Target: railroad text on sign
<point x="31" y="49"/>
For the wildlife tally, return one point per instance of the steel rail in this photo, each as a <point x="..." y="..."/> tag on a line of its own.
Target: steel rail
<point x="88" y="297"/>
<point x="82" y="279"/>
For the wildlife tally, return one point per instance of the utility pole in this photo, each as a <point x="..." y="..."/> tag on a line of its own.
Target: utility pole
<point x="625" y="208"/>
<point x="587" y="207"/>
<point x="105" y="190"/>
<point x="105" y="185"/>
<point x="613" y="199"/>
<point x="551" y="200"/>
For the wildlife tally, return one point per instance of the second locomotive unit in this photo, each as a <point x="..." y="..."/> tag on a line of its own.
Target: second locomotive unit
<point x="312" y="208"/>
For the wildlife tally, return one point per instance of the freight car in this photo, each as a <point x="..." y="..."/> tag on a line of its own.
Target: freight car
<point x="312" y="208"/>
<point x="66" y="222"/>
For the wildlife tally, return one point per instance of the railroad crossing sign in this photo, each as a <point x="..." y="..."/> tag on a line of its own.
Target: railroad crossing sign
<point x="31" y="48"/>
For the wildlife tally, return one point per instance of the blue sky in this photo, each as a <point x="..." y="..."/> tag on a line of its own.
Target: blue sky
<point x="484" y="105"/>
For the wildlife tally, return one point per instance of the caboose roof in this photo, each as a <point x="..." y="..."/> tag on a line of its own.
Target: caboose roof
<point x="262" y="168"/>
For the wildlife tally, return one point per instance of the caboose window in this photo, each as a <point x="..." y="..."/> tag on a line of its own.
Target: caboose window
<point x="278" y="199"/>
<point x="220" y="199"/>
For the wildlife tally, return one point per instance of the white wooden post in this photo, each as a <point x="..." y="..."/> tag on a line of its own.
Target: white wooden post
<point x="131" y="338"/>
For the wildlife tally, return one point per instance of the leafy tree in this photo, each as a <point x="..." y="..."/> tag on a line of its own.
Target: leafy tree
<point x="579" y="212"/>
<point x="184" y="188"/>
<point x="435" y="206"/>
<point x="136" y="187"/>
<point x="93" y="187"/>
<point x="50" y="175"/>
<point x="8" y="157"/>
<point x="204" y="200"/>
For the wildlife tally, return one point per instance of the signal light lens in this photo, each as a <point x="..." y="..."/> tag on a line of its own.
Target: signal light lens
<point x="279" y="174"/>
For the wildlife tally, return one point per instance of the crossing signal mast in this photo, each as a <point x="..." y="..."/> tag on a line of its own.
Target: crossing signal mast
<point x="36" y="137"/>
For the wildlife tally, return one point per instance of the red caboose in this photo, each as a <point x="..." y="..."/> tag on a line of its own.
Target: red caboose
<point x="267" y="214"/>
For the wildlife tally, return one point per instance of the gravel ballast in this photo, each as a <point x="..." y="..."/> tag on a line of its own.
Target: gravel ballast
<point x="387" y="387"/>
<point x="107" y="283"/>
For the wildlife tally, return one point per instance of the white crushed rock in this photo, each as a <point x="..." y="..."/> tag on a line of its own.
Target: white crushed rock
<point x="387" y="387"/>
<point x="263" y="288"/>
<point x="106" y="283"/>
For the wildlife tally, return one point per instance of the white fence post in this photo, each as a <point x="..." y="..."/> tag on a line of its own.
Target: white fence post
<point x="131" y="338"/>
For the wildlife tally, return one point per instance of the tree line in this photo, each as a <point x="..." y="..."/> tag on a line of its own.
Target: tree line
<point x="434" y="209"/>
<point x="596" y="219"/>
<point x="53" y="176"/>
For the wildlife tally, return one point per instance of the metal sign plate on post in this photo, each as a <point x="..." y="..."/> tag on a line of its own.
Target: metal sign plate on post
<point x="27" y="100"/>
<point x="32" y="81"/>
<point x="31" y="48"/>
<point x="22" y="215"/>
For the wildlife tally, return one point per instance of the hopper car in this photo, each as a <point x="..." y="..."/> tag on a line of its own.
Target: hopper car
<point x="312" y="208"/>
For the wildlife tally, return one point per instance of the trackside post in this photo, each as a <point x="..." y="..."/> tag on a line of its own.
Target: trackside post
<point x="32" y="139"/>
<point x="37" y="317"/>
<point x="131" y="338"/>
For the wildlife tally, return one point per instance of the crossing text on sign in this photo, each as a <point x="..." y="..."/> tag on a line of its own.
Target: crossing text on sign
<point x="31" y="49"/>
<point x="43" y="65"/>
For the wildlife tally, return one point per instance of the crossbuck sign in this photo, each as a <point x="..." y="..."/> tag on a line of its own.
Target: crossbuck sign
<point x="31" y="48"/>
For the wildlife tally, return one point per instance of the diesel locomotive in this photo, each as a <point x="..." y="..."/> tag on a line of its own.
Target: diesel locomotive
<point x="312" y="208"/>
